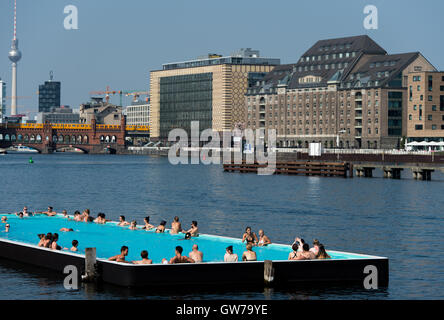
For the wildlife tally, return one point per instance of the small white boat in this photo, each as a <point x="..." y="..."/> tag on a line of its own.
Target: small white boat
<point x="21" y="149"/>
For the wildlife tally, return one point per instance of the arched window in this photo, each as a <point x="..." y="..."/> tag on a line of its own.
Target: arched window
<point x="107" y="139"/>
<point x="60" y="139"/>
<point x="13" y="137"/>
<point x="47" y="138"/>
<point x="85" y="139"/>
<point x="73" y="139"/>
<point x="102" y="138"/>
<point x="39" y="138"/>
<point x="7" y="138"/>
<point x="1" y="137"/>
<point x="26" y="139"/>
<point x="113" y="139"/>
<point x="54" y="138"/>
<point x="67" y="139"/>
<point x="32" y="138"/>
<point x="19" y="137"/>
<point x="79" y="139"/>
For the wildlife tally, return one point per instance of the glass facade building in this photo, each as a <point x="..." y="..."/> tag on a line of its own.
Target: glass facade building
<point x="183" y="99"/>
<point x="49" y="96"/>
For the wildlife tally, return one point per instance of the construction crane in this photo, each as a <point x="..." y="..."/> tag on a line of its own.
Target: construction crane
<point x="109" y="92"/>
<point x="137" y="94"/>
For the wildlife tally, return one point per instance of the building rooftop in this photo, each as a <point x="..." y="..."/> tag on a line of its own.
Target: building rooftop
<point x="243" y="57"/>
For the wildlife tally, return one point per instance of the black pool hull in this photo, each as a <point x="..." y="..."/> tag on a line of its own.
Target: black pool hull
<point x="240" y="273"/>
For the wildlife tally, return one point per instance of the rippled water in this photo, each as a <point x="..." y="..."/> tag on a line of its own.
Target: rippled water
<point x="400" y="219"/>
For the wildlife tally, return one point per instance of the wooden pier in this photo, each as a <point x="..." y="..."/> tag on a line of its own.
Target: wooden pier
<point x="308" y="168"/>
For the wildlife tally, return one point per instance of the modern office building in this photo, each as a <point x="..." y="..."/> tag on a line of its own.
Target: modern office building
<point x="345" y="92"/>
<point x="209" y="90"/>
<point x="138" y="113"/>
<point x="58" y="115"/>
<point x="49" y="95"/>
<point x="425" y="110"/>
<point x="103" y="112"/>
<point x="2" y="100"/>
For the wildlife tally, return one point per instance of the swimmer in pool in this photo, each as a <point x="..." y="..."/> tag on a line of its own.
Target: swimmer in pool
<point x="133" y="225"/>
<point x="66" y="230"/>
<point x="322" y="254"/>
<point x="263" y="239"/>
<point x="120" y="257"/>
<point x="86" y="216"/>
<point x="176" y="226"/>
<point x="315" y="248"/>
<point x="147" y="225"/>
<point x="294" y="255"/>
<point x="74" y="248"/>
<point x="50" y="212"/>
<point x="65" y="214"/>
<point x="195" y="254"/>
<point x="54" y="245"/>
<point x="4" y="219"/>
<point x="145" y="260"/>
<point x="249" y="255"/>
<point x="77" y="216"/>
<point x="194" y="230"/>
<point x="122" y="221"/>
<point x="179" y="258"/>
<point x="7" y="226"/>
<point x="161" y="227"/>
<point x="306" y="253"/>
<point x="249" y="236"/>
<point x="229" y="255"/>
<point x="41" y="239"/>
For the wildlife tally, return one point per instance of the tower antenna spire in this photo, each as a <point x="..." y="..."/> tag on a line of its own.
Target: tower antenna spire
<point x="14" y="55"/>
<point x="15" y="19"/>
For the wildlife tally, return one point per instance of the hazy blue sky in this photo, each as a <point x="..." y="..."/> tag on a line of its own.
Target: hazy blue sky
<point x="119" y="42"/>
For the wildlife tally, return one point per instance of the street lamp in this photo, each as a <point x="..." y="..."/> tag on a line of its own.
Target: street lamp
<point x="337" y="136"/>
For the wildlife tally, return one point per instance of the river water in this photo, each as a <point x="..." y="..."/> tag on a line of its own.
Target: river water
<point x="399" y="219"/>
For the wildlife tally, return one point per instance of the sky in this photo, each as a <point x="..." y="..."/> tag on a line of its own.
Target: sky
<point x="118" y="42"/>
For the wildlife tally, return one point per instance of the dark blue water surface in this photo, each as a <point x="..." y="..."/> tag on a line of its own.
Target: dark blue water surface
<point x="400" y="219"/>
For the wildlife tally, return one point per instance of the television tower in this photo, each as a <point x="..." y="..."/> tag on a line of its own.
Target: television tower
<point x="14" y="55"/>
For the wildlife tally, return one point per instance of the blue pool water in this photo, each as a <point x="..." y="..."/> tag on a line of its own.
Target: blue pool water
<point x="108" y="238"/>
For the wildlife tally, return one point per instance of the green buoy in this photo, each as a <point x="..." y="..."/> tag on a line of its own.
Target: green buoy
<point x="30" y="160"/>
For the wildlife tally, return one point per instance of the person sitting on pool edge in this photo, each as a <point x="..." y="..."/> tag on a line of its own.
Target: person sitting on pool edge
<point x="145" y="260"/>
<point x="229" y="255"/>
<point x="176" y="226"/>
<point x="161" y="227"/>
<point x="194" y="230"/>
<point x="263" y="239"/>
<point x="249" y="255"/>
<point x="122" y="221"/>
<point x="195" y="254"/>
<point x="147" y="225"/>
<point x="249" y="236"/>
<point x="179" y="258"/>
<point x="120" y="257"/>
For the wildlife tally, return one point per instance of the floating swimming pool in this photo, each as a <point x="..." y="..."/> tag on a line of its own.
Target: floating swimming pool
<point x="21" y="244"/>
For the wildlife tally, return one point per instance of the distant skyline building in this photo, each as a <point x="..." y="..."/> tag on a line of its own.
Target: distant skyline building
<point x="2" y="100"/>
<point x="14" y="55"/>
<point x="49" y="94"/>
<point x="59" y="115"/>
<point x="209" y="89"/>
<point x="138" y="113"/>
<point x="343" y="92"/>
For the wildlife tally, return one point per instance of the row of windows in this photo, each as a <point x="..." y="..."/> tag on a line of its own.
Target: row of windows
<point x="325" y="57"/>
